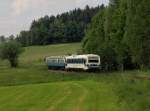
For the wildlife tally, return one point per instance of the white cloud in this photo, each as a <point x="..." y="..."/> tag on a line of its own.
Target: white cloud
<point x="21" y="6"/>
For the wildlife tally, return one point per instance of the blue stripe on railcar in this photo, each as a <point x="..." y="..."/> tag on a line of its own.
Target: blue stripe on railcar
<point x="57" y="65"/>
<point x="91" y="66"/>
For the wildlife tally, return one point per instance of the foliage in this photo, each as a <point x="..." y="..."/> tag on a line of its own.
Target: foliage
<point x="95" y="42"/>
<point x="138" y="32"/>
<point x="120" y="32"/>
<point x="11" y="51"/>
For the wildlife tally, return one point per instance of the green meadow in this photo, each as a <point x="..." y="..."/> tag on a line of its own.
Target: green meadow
<point x="32" y="87"/>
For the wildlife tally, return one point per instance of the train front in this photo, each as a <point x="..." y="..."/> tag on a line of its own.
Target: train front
<point x="93" y="61"/>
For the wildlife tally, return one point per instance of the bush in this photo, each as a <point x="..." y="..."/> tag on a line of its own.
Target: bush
<point x="11" y="51"/>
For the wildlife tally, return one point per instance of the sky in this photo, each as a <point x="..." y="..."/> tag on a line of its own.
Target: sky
<point x="17" y="15"/>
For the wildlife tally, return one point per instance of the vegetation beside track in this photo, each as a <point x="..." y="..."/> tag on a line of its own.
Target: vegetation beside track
<point x="33" y="87"/>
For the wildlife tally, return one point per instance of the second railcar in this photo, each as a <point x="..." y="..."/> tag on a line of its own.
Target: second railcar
<point x="56" y="62"/>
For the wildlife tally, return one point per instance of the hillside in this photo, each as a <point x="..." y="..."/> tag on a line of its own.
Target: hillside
<point x="32" y="67"/>
<point x="31" y="87"/>
<point x="38" y="53"/>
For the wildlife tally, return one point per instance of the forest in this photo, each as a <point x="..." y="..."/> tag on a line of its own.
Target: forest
<point x="63" y="28"/>
<point x="120" y="34"/>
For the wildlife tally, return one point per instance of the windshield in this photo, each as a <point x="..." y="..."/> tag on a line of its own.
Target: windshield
<point x="93" y="60"/>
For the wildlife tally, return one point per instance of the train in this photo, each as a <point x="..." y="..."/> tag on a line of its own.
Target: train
<point x="84" y="62"/>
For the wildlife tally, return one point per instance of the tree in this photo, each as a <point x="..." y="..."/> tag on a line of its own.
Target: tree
<point x="24" y="38"/>
<point x="2" y="39"/>
<point x="11" y="51"/>
<point x="96" y="42"/>
<point x="11" y="37"/>
<point x="138" y="32"/>
<point x="95" y="34"/>
<point x="115" y="29"/>
<point x="121" y="35"/>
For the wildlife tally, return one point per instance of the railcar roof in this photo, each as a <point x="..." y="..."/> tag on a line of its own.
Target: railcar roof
<point x="82" y="56"/>
<point x="74" y="56"/>
<point x="56" y="57"/>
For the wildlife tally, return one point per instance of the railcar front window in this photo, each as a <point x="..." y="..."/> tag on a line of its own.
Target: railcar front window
<point x="93" y="61"/>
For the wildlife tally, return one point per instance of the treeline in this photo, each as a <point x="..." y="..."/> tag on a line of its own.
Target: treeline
<point x="63" y="28"/>
<point x="4" y="39"/>
<point x="120" y="34"/>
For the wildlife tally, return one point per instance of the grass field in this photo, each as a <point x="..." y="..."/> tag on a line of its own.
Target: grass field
<point x="31" y="87"/>
<point x="60" y="96"/>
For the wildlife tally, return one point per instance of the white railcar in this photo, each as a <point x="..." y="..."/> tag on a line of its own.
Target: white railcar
<point x="85" y="62"/>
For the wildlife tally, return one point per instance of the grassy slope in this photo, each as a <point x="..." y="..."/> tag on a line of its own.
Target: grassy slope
<point x="60" y="96"/>
<point x="69" y="91"/>
<point x="37" y="53"/>
<point x="32" y="67"/>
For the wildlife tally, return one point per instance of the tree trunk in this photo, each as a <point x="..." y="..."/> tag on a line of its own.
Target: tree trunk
<point x="121" y="67"/>
<point x="13" y="63"/>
